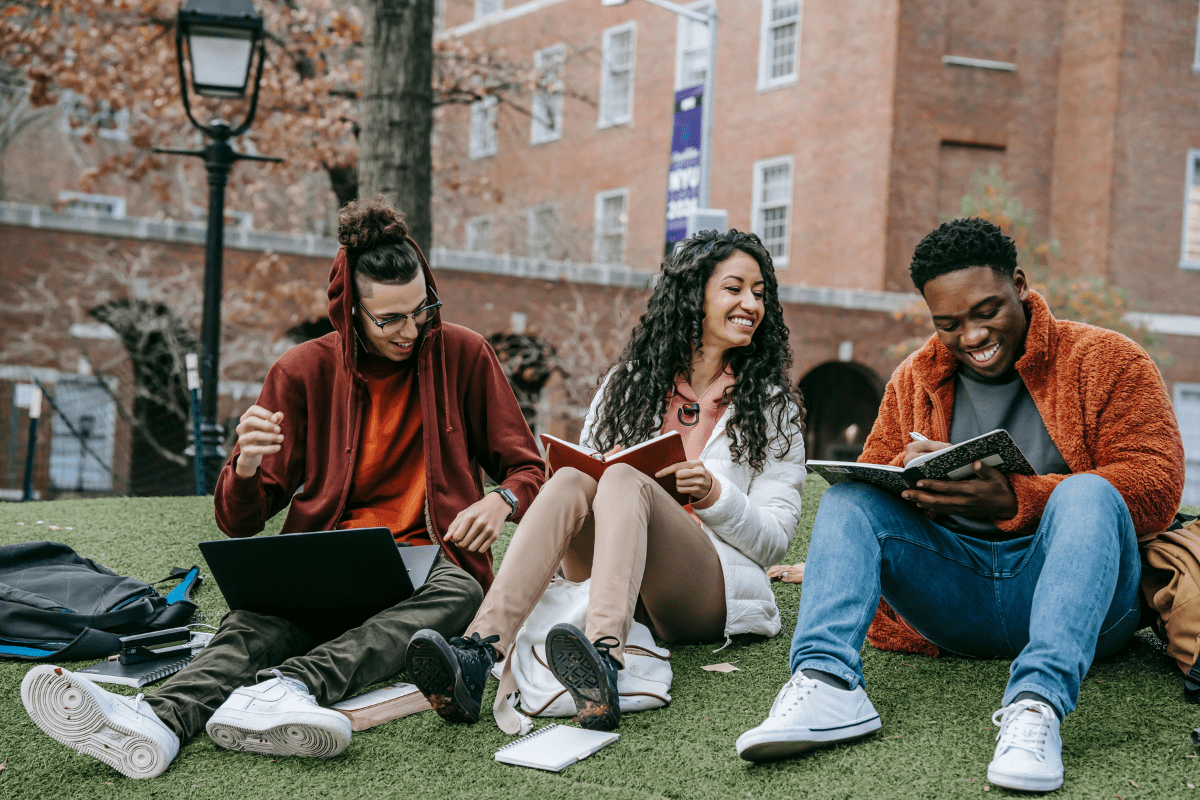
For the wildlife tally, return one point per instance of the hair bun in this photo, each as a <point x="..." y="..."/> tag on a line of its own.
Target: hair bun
<point x="366" y="224"/>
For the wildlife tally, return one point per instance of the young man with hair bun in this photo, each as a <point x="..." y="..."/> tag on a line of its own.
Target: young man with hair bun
<point x="386" y="422"/>
<point x="1040" y="569"/>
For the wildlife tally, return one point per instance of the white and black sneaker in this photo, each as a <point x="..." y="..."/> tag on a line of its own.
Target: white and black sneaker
<point x="120" y="731"/>
<point x="808" y="714"/>
<point x="279" y="717"/>
<point x="1029" y="750"/>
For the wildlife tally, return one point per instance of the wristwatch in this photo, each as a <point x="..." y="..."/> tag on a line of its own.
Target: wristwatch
<point x="511" y="499"/>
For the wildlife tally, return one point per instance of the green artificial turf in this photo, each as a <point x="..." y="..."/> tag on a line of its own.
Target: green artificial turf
<point x="1128" y="738"/>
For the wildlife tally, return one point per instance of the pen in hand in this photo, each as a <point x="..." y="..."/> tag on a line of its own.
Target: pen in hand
<point x="918" y="437"/>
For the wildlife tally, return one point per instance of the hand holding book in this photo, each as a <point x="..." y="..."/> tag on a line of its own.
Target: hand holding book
<point x="988" y="496"/>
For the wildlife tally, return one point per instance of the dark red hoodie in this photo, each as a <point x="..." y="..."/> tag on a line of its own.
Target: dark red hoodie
<point x="471" y="423"/>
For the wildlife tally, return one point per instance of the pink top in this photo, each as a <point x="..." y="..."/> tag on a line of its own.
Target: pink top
<point x="697" y="426"/>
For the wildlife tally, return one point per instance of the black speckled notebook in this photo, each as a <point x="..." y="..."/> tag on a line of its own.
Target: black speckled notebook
<point x="995" y="448"/>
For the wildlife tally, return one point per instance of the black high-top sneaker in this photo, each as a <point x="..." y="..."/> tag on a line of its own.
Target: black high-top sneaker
<point x="588" y="672"/>
<point x="451" y="675"/>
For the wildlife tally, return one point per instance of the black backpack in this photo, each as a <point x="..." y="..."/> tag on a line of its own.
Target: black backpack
<point x="55" y="604"/>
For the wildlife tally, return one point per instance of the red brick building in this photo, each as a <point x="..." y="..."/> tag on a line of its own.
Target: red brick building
<point x="842" y="133"/>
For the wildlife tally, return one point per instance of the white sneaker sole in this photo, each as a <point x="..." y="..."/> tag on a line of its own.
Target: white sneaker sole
<point x="61" y="705"/>
<point x="1024" y="783"/>
<point x="754" y="745"/>
<point x="311" y="735"/>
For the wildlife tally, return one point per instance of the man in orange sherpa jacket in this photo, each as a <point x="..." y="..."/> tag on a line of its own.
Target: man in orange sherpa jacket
<point x="1043" y="570"/>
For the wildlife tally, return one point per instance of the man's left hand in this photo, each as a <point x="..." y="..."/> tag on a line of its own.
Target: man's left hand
<point x="988" y="495"/>
<point x="479" y="525"/>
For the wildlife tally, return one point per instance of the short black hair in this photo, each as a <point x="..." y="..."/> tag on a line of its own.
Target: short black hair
<point x="961" y="244"/>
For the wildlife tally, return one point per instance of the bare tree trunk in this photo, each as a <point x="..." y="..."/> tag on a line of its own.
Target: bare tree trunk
<point x="397" y="109"/>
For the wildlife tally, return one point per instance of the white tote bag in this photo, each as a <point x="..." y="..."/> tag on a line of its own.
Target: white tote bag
<point x="526" y="679"/>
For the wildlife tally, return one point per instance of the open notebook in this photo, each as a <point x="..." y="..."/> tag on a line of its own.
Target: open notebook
<point x="554" y="747"/>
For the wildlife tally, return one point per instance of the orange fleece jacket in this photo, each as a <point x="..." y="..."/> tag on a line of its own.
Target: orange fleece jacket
<point x="1104" y="405"/>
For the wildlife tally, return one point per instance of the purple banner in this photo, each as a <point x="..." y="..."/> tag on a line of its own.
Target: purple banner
<point x="683" y="176"/>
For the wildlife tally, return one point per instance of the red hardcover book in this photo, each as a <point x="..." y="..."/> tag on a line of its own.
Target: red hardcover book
<point x="648" y="458"/>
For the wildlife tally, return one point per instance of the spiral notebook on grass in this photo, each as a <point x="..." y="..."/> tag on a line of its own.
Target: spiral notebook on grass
<point x="554" y="747"/>
<point x="995" y="448"/>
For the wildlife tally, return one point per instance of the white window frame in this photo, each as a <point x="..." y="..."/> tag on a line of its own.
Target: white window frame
<point x="683" y="27"/>
<point x="1191" y="488"/>
<point x="766" y="48"/>
<point x="484" y="114"/>
<point x="1191" y="178"/>
<point x="81" y="204"/>
<point x="71" y="103"/>
<point x="601" y="232"/>
<point x="487" y="8"/>
<point x="1196" y="57"/>
<point x="540" y="243"/>
<point x="608" y="120"/>
<point x="472" y="236"/>
<point x="550" y="63"/>
<point x="757" y="206"/>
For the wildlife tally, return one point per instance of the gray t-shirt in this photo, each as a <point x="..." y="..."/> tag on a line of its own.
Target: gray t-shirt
<point x="982" y="405"/>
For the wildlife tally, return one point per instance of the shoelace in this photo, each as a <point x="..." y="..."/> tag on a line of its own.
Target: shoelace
<point x="297" y="687"/>
<point x="606" y="643"/>
<point x="801" y="686"/>
<point x="1023" y="728"/>
<point x="474" y="642"/>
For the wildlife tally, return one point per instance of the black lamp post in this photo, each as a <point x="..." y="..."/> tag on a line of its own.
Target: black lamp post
<point x="222" y="38"/>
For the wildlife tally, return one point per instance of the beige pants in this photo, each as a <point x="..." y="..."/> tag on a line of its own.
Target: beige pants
<point x="630" y="537"/>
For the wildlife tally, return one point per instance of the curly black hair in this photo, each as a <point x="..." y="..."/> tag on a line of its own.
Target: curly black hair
<point x="663" y="344"/>
<point x="960" y="244"/>
<point x="375" y="236"/>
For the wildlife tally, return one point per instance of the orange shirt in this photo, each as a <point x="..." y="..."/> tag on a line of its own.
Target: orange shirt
<point x="388" y="486"/>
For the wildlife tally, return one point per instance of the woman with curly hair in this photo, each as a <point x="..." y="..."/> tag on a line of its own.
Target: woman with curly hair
<point x="709" y="359"/>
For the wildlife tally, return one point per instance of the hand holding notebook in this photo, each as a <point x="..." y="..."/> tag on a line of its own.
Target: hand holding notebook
<point x="648" y="458"/>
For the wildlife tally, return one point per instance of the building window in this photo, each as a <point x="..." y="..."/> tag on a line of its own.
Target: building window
<point x="483" y="127"/>
<point x="543" y="230"/>
<point x="81" y="118"/>
<point x="81" y="450"/>
<point x="616" y="77"/>
<point x="612" y="219"/>
<point x="779" y="43"/>
<point x="485" y="8"/>
<point x="691" y="49"/>
<point x="79" y="204"/>
<point x="771" y="209"/>
<point x="1196" y="58"/>
<point x="1190" y="258"/>
<point x="548" y="100"/>
<point x="1187" y="411"/>
<point x="479" y="235"/>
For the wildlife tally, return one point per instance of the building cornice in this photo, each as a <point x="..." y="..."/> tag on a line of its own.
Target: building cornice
<point x="615" y="275"/>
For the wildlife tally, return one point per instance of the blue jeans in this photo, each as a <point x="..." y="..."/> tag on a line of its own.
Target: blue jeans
<point x="1052" y="601"/>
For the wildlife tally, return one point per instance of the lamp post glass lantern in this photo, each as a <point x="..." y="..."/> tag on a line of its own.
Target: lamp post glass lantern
<point x="222" y="38"/>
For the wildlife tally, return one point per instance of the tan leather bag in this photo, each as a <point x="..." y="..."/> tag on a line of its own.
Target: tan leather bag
<point x="1171" y="588"/>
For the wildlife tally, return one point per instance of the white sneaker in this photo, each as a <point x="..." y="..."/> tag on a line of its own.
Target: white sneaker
<point x="120" y="731"/>
<point x="278" y="717"/>
<point x="808" y="714"/>
<point x="1029" y="755"/>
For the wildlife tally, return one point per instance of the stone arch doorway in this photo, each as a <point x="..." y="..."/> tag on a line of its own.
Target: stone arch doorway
<point x="842" y="399"/>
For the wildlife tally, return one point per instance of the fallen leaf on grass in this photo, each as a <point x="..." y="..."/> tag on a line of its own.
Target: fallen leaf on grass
<point x="907" y="664"/>
<point x="3" y="764"/>
<point x="725" y="667"/>
<point x="1134" y="785"/>
<point x="1191" y="786"/>
<point x="987" y="788"/>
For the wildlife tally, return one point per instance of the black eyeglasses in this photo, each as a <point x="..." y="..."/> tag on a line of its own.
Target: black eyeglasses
<point x="418" y="315"/>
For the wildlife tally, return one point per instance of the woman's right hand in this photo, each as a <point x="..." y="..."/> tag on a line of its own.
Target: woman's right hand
<point x="259" y="434"/>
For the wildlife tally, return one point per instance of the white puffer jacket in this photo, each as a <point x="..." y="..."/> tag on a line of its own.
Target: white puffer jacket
<point x="751" y="524"/>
